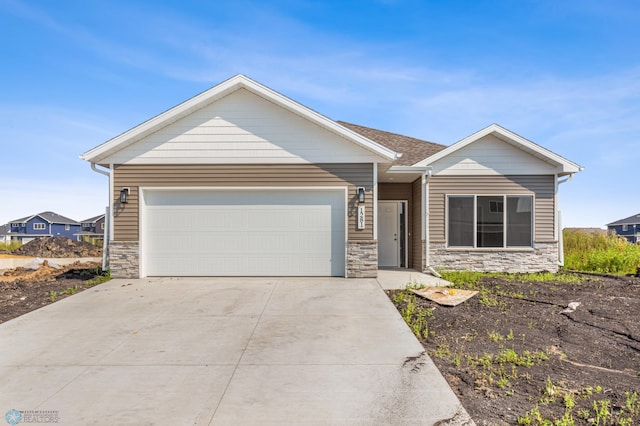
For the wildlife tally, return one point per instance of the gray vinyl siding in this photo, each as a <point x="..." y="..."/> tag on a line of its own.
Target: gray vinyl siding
<point x="416" y="229"/>
<point x="126" y="217"/>
<point x="402" y="192"/>
<point x="542" y="187"/>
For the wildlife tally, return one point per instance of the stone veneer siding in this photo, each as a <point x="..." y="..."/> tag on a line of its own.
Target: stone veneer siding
<point x="124" y="259"/>
<point x="362" y="259"/>
<point x="543" y="257"/>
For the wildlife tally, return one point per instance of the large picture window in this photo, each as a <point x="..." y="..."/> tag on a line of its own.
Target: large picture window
<point x="489" y="221"/>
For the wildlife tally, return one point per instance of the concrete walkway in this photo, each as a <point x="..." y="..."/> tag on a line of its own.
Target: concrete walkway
<point x="241" y="351"/>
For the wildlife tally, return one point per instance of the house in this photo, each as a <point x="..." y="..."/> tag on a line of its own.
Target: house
<point x="241" y="180"/>
<point x="45" y="224"/>
<point x="628" y="227"/>
<point x="4" y="234"/>
<point x="92" y="228"/>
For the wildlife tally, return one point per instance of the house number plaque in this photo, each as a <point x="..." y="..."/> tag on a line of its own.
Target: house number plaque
<point x="360" y="217"/>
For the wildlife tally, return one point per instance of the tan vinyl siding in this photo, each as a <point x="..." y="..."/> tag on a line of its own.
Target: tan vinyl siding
<point x="541" y="187"/>
<point x="134" y="176"/>
<point x="401" y="192"/>
<point x="416" y="242"/>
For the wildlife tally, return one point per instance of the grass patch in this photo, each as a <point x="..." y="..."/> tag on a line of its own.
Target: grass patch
<point x="10" y="246"/>
<point x="100" y="276"/>
<point x="600" y="253"/>
<point x="413" y="315"/>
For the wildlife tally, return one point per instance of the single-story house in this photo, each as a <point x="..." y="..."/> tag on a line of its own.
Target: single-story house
<point x="241" y="180"/>
<point x="45" y="224"/>
<point x="629" y="228"/>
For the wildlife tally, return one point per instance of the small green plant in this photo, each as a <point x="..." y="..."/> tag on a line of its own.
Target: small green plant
<point x="632" y="403"/>
<point x="53" y="295"/>
<point x="100" y="277"/>
<point x="70" y="290"/>
<point x="601" y="408"/>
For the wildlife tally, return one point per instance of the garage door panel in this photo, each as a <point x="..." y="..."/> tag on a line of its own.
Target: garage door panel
<point x="218" y="233"/>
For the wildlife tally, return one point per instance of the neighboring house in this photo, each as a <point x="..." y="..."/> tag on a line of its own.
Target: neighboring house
<point x="45" y="224"/>
<point x="241" y="180"/>
<point x="92" y="228"/>
<point x="628" y="227"/>
<point x="4" y="233"/>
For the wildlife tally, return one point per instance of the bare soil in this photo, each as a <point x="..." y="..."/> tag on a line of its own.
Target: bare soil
<point x="59" y="247"/>
<point x="23" y="290"/>
<point x="514" y="352"/>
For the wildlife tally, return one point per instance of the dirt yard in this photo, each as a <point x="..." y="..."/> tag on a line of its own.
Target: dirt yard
<point x="516" y="354"/>
<point x="23" y="290"/>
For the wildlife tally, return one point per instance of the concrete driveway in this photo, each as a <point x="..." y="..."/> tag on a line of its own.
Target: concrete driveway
<point x="220" y="352"/>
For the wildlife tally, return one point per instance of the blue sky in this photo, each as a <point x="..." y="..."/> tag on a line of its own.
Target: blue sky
<point x="564" y="74"/>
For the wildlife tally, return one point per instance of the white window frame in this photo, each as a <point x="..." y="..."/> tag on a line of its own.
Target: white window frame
<point x="625" y="227"/>
<point x="38" y="226"/>
<point x="475" y="221"/>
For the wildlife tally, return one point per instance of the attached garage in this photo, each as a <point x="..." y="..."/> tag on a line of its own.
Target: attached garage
<point x="243" y="232"/>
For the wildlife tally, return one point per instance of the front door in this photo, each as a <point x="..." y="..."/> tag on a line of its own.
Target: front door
<point x="392" y="234"/>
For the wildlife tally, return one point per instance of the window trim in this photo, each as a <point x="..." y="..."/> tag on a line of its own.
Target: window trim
<point x="475" y="222"/>
<point x="39" y="226"/>
<point x="625" y="227"/>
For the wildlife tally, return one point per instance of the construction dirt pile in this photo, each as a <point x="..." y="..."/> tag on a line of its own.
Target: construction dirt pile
<point x="58" y="247"/>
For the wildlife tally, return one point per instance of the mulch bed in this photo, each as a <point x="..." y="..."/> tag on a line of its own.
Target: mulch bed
<point x="514" y="351"/>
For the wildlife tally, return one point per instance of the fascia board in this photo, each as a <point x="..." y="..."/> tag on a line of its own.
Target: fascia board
<point x="566" y="165"/>
<point x="239" y="81"/>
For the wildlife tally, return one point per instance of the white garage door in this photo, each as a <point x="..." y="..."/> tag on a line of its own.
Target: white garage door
<point x="243" y="232"/>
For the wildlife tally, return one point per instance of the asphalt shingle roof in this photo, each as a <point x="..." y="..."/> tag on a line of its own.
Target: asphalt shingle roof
<point x="50" y="217"/>
<point x="631" y="220"/>
<point x="413" y="150"/>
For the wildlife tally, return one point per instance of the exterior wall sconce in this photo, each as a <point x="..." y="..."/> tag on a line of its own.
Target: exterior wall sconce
<point x="124" y="195"/>
<point x="360" y="193"/>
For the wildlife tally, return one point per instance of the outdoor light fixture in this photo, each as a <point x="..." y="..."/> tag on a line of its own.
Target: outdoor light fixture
<point x="361" y="194"/>
<point x="124" y="195"/>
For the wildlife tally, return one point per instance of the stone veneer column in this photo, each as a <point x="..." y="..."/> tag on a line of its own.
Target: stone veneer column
<point x="362" y="259"/>
<point x="124" y="259"/>
<point x="543" y="257"/>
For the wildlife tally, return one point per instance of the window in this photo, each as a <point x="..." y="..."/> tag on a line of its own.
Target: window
<point x="102" y="226"/>
<point x="625" y="228"/>
<point x="483" y="221"/>
<point x="15" y="225"/>
<point x="39" y="226"/>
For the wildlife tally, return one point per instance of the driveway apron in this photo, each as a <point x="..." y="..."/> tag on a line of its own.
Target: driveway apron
<point x="221" y="351"/>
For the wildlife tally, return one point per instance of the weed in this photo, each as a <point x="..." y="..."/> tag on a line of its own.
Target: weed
<point x="53" y="295"/>
<point x="591" y="252"/>
<point x="100" y="277"/>
<point x="10" y="246"/>
<point x="632" y="403"/>
<point x="601" y="407"/>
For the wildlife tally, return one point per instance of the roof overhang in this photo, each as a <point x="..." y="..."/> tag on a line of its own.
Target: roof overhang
<point x="99" y="153"/>
<point x="401" y="174"/>
<point x="564" y="166"/>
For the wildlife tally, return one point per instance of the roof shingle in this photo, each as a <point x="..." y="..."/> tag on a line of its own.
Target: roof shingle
<point x="413" y="150"/>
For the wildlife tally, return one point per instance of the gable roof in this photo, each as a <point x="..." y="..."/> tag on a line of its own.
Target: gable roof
<point x="412" y="150"/>
<point x="93" y="219"/>
<point x="565" y="166"/>
<point x="4" y="229"/>
<point x="223" y="89"/>
<point x="49" y="217"/>
<point x="631" y="220"/>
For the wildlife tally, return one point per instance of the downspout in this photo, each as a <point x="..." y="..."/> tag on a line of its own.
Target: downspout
<point x="425" y="220"/>
<point x="107" y="218"/>
<point x="559" y="223"/>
